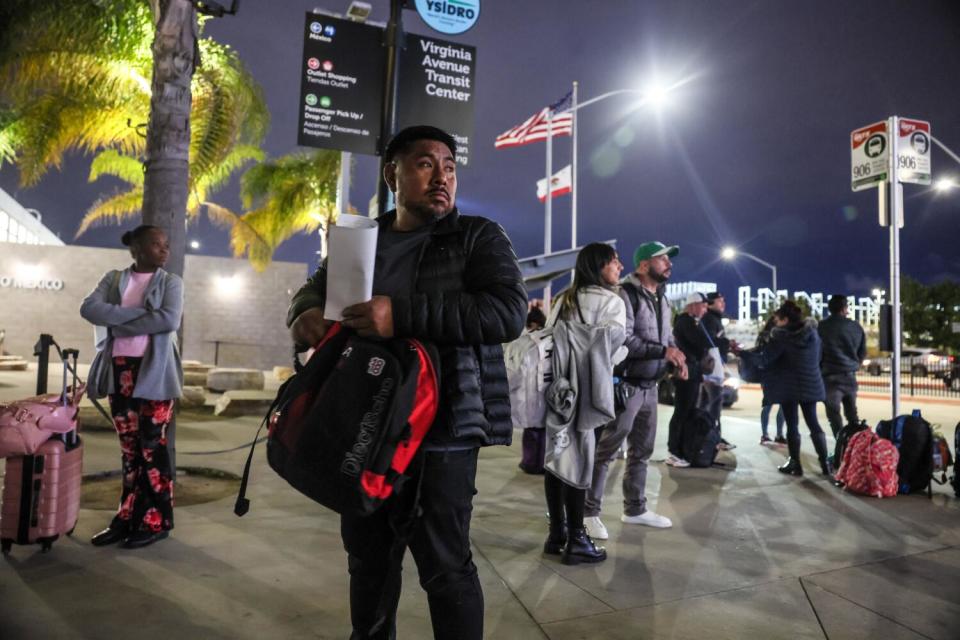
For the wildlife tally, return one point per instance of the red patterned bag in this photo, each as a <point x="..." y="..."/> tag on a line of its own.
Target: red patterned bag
<point x="869" y="466"/>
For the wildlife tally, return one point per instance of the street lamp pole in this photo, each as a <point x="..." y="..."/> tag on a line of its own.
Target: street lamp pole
<point x="575" y="107"/>
<point x="730" y="253"/>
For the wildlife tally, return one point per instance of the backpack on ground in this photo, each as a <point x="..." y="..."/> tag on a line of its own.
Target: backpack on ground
<point x="942" y="458"/>
<point x="344" y="429"/>
<point x="700" y="438"/>
<point x="869" y="466"/>
<point x="956" y="473"/>
<point x="913" y="438"/>
<point x="843" y="440"/>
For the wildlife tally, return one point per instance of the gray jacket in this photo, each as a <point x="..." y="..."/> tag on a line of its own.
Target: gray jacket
<point x="161" y="375"/>
<point x="580" y="398"/>
<point x="647" y="340"/>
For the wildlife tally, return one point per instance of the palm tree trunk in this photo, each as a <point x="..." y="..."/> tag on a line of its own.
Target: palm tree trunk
<point x="166" y="167"/>
<point x="167" y="175"/>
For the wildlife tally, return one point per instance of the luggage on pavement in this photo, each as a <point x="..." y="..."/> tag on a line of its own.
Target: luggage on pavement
<point x="843" y="440"/>
<point x="700" y="438"/>
<point x="41" y="492"/>
<point x="533" y="450"/>
<point x="956" y="473"/>
<point x="869" y="466"/>
<point x="913" y="438"/>
<point x="942" y="458"/>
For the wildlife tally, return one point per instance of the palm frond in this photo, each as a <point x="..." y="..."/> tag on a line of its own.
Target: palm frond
<point x="112" y="163"/>
<point x="220" y="216"/>
<point x="238" y="156"/>
<point x="113" y="210"/>
<point x="247" y="238"/>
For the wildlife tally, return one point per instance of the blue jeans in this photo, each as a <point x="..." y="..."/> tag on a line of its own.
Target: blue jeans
<point x="440" y="545"/>
<point x="765" y="420"/>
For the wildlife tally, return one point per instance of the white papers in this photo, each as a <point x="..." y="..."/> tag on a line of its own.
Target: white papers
<point x="353" y="249"/>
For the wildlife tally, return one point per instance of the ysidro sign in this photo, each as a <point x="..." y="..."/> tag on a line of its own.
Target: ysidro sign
<point x="449" y="16"/>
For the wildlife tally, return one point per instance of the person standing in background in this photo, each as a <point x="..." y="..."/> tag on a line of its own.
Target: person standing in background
<point x="137" y="366"/>
<point x="844" y="348"/>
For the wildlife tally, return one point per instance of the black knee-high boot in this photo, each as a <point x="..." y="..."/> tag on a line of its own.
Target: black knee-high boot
<point x="554" y="489"/>
<point x="579" y="547"/>
<point x="820" y="444"/>
<point x="792" y="466"/>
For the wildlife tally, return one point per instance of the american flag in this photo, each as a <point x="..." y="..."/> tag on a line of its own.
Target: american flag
<point x="534" y="128"/>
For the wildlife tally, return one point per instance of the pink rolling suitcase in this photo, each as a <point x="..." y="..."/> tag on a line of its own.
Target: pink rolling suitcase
<point x="41" y="492"/>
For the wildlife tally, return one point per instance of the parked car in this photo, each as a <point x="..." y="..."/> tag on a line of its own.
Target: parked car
<point x="919" y="361"/>
<point x="731" y="389"/>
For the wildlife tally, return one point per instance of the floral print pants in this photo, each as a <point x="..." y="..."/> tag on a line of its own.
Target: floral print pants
<point x="146" y="503"/>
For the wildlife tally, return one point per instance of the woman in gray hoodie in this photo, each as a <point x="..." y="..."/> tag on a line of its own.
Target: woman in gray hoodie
<point x="137" y="311"/>
<point x="589" y="311"/>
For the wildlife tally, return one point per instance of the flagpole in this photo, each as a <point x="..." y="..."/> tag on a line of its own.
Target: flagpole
<point x="573" y="170"/>
<point x="548" y="210"/>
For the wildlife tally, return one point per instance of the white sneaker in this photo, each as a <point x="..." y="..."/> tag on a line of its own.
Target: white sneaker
<point x="595" y="528"/>
<point x="674" y="461"/>
<point x="649" y="519"/>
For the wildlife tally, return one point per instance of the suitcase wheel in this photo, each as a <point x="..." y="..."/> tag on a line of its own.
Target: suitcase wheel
<point x="5" y="545"/>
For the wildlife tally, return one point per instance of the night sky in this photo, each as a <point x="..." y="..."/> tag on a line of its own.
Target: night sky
<point x="752" y="151"/>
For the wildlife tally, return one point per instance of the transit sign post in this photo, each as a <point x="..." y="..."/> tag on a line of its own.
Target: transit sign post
<point x="886" y="155"/>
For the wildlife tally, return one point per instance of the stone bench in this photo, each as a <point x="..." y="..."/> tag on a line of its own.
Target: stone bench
<point x="193" y="396"/>
<point x="13" y="363"/>
<point x="282" y="374"/>
<point x="224" y="379"/>
<point x="243" y="403"/>
<point x="195" y="365"/>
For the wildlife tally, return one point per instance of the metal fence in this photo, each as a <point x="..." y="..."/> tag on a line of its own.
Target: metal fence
<point x="939" y="379"/>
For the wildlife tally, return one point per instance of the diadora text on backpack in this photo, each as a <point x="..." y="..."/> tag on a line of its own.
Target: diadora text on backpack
<point x="345" y="428"/>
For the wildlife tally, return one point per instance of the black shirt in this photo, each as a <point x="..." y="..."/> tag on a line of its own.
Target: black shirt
<point x="395" y="269"/>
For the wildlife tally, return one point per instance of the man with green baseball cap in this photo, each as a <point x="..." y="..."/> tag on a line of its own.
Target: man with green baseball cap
<point x="651" y="355"/>
<point x="653" y="249"/>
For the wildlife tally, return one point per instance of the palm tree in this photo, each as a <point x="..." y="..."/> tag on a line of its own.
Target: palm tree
<point x="292" y="194"/>
<point x="73" y="77"/>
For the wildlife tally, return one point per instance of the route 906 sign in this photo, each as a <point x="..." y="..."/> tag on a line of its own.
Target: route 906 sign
<point x="869" y="155"/>
<point x="913" y="151"/>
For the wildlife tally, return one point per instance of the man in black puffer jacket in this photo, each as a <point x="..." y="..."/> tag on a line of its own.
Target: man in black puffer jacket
<point x="452" y="280"/>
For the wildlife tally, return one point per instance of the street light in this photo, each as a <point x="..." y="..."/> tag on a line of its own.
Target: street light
<point x="944" y="184"/>
<point x="729" y="253"/>
<point x="655" y="94"/>
<point x="194" y="244"/>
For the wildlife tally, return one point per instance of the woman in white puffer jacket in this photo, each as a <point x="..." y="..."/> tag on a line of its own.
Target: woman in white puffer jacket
<point x="591" y="300"/>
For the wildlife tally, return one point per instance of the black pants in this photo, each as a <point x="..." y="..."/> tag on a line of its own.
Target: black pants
<point x="440" y="546"/>
<point x="841" y="392"/>
<point x="791" y="415"/>
<point x="685" y="396"/>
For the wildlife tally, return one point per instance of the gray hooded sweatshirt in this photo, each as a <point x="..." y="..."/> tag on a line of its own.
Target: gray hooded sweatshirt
<point x="161" y="375"/>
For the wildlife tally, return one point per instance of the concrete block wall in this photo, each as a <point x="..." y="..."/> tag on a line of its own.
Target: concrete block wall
<point x="231" y="309"/>
<point x="225" y="300"/>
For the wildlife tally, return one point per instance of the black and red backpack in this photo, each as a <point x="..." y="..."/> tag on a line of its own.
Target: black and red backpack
<point x="345" y="427"/>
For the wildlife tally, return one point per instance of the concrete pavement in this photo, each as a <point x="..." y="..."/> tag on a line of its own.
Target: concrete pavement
<point x="752" y="554"/>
